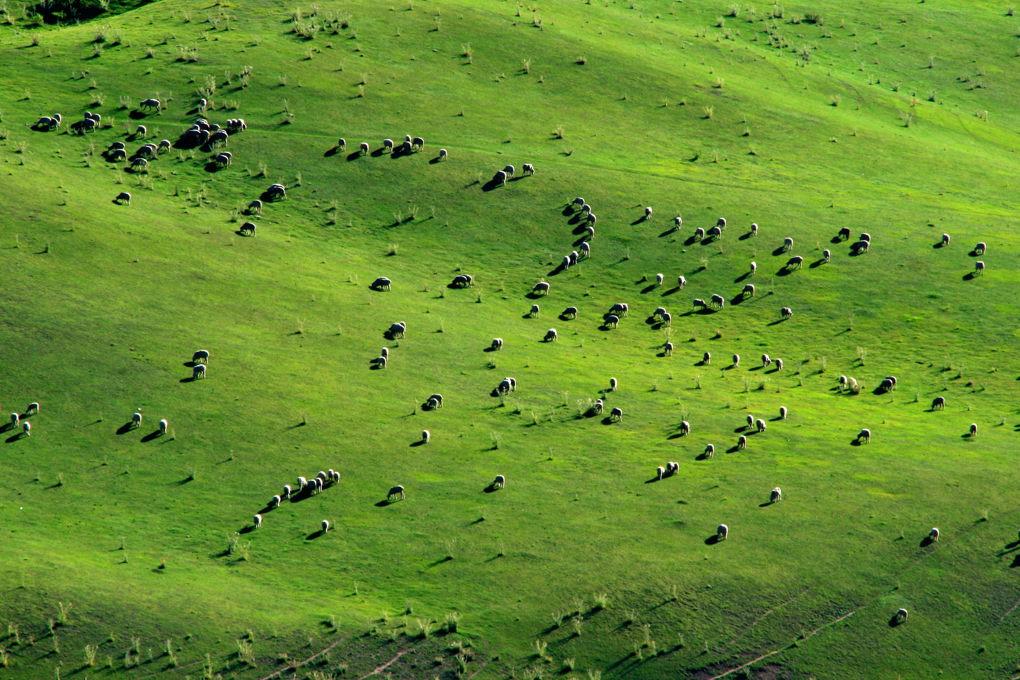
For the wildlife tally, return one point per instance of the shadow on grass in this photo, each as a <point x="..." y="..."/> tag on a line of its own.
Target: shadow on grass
<point x="315" y="534"/>
<point x="125" y="428"/>
<point x="713" y="539"/>
<point x="152" y="435"/>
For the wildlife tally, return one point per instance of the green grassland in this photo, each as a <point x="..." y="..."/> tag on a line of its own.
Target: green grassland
<point x="896" y="120"/>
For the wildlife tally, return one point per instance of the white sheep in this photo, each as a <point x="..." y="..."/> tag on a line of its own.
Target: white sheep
<point x="659" y="278"/>
<point x="685" y="428"/>
<point x="163" y="425"/>
<point x="741" y="442"/>
<point x="15" y="420"/>
<point x="722" y="532"/>
<point x="257" y="521"/>
<point x="776" y="495"/>
<point x="198" y="371"/>
<point x="32" y="408"/>
<point x="136" y="419"/>
<point x="551" y="335"/>
<point x="325" y="525"/>
<point x="499" y="482"/>
<point x="709" y="451"/>
<point x="754" y="228"/>
<point x="26" y="428"/>
<point x="660" y="472"/>
<point x="274" y="502"/>
<point x="782" y="413"/>
<point x="613" y="383"/>
<point x="933" y="535"/>
<point x="864" y="436"/>
<point x="760" y="425"/>
<point x="736" y="360"/>
<point x="426" y="436"/>
<point x="681" y="282"/>
<point x="616" y="414"/>
<point x="443" y="154"/>
<point x="648" y="211"/>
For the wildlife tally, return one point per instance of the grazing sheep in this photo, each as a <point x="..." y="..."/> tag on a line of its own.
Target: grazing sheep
<point x="437" y="398"/>
<point x="541" y="287"/>
<point x="426" y="436"/>
<point x="980" y="248"/>
<point x="578" y="201"/>
<point x="286" y="491"/>
<point x="748" y="290"/>
<point x="136" y="419"/>
<point x="776" y="495"/>
<point x="198" y="371"/>
<point x="648" y="211"/>
<point x="462" y="281"/>
<point x="843" y="380"/>
<point x="589" y="233"/>
<point x="750" y="420"/>
<point x="945" y="240"/>
<point x="224" y="159"/>
<point x="585" y="209"/>
<point x="892" y="379"/>
<point x="787" y="244"/>
<point x="565" y="262"/>
<point x="248" y="228"/>
<point x="860" y="247"/>
<point x="721" y="223"/>
<point x="569" y="313"/>
<point x="32" y="408"/>
<point x="620" y="309"/>
<point x="972" y="429"/>
<point x="659" y="278"/>
<point x="718" y="300"/>
<point x="325" y="525"/>
<point x="714" y="232"/>
<point x="754" y="229"/>
<point x="666" y="319"/>
<point x="534" y="311"/>
<point x="123" y="197"/>
<point x="616" y="414"/>
<point x="866" y="237"/>
<point x="658" y="312"/>
<point x="864" y="436"/>
<point x="598" y="406"/>
<point x="660" y="472"/>
<point x="779" y="364"/>
<point x="667" y="349"/>
<point x="163" y="425"/>
<point x="901" y="615"/>
<point x="274" y="502"/>
<point x="496" y="344"/>
<point x="505" y="386"/>
<point x="379" y="362"/>
<point x="786" y="312"/>
<point x="754" y="268"/>
<point x="139" y="163"/>
<point x="255" y="207"/>
<point x="117" y="155"/>
<point x="395" y="492"/>
<point x="760" y="425"/>
<point x="301" y="483"/>
<point x="886" y="385"/>
<point x="672" y="468"/>
<point x="499" y="482"/>
<point x="933" y="535"/>
<point x="722" y="532"/>
<point x="699" y="234"/>
<point x="26" y="428"/>
<point x="611" y="321"/>
<point x="550" y="335"/>
<point x="685" y="428"/>
<point x="341" y="144"/>
<point x="443" y="154"/>
<point x="826" y="255"/>
<point x="500" y="178"/>
<point x="698" y="302"/>
<point x="938" y="404"/>
<point x="783" y="412"/>
<point x="736" y="360"/>
<point x="151" y="103"/>
<point x="585" y="247"/>
<point x="417" y="144"/>
<point x="681" y="282"/>
<point x="527" y="170"/>
<point x="388" y="145"/>
<point x="363" y="148"/>
<point x="979" y="267"/>
<point x="844" y="234"/>
<point x="741" y="442"/>
<point x="166" y="145"/>
<point x="613" y="383"/>
<point x="574" y="256"/>
<point x="15" y="420"/>
<point x="852" y="385"/>
<point x="276" y="191"/>
<point x="200" y="356"/>
<point x="709" y="451"/>
<point x="385" y="352"/>
<point x="765" y="360"/>
<point x="381" y="283"/>
<point x="257" y="521"/>
<point x="678" y="222"/>
<point x="706" y="358"/>
<point x="592" y="218"/>
<point x="795" y="262"/>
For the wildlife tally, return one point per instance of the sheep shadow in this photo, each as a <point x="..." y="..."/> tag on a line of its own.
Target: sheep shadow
<point x="607" y="421"/>
<point x="856" y="252"/>
<point x="420" y="442"/>
<point x="490" y="348"/>
<point x="969" y="276"/>
<point x="16" y="437"/>
<point x="213" y="166"/>
<point x="566" y="317"/>
<point x="606" y="327"/>
<point x="188" y="379"/>
<point x="491" y="488"/>
<point x="401" y="150"/>
<point x="152" y="435"/>
<point x="895" y="621"/>
<point x="976" y="253"/>
<point x="579" y="241"/>
<point x="676" y="435"/>
<point x="738" y="299"/>
<point x="653" y="480"/>
<point x="881" y="390"/>
<point x="640" y="220"/>
<point x="746" y="235"/>
<point x="332" y="152"/>
<point x="568" y="210"/>
<point x="1016" y="562"/>
<point x="669" y="231"/>
<point x="649" y="288"/>
<point x="855" y="442"/>
<point x="690" y="240"/>
<point x="672" y="291"/>
<point x="185" y="142"/>
<point x="579" y="229"/>
<point x="246" y="529"/>
<point x="939" y="245"/>
<point x="315" y="534"/>
<point x="713" y="539"/>
<point x="556" y="270"/>
<point x="784" y="271"/>
<point x="817" y="263"/>
<point x="125" y="428"/>
<point x="353" y="156"/>
<point x="375" y="366"/>
<point x="702" y="456"/>
<point x="765" y="504"/>
<point x="384" y="503"/>
<point x="533" y="295"/>
<point x="492" y="184"/>
<point x="776" y="322"/>
<point x="742" y="277"/>
<point x="925" y="542"/>
<point x="378" y="152"/>
<point x="135" y="114"/>
<point x="778" y="251"/>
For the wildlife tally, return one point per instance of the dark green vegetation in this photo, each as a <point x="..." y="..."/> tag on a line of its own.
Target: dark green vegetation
<point x="900" y="122"/>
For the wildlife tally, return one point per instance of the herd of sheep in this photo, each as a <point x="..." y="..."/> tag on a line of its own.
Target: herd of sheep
<point x="211" y="137"/>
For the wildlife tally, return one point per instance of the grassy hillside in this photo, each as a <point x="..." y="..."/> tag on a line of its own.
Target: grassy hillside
<point x="898" y="122"/>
